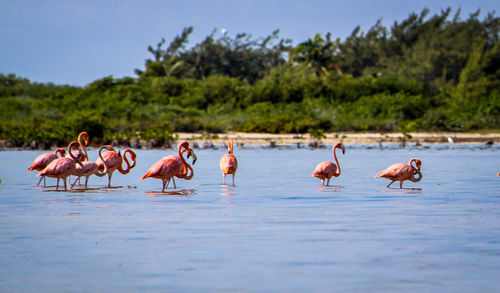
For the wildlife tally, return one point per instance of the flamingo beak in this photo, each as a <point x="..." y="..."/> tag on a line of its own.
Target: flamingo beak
<point x="343" y="150"/>
<point x="194" y="158"/>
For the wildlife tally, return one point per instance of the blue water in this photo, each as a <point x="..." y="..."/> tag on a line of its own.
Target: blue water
<point x="276" y="230"/>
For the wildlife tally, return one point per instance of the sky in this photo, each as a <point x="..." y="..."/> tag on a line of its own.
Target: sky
<point x="76" y="42"/>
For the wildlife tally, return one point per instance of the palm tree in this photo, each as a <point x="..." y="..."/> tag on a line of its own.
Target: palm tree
<point x="321" y="54"/>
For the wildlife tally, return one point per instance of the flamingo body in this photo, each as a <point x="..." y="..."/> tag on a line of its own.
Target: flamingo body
<point x="402" y="172"/>
<point x="44" y="160"/>
<point x="89" y="168"/>
<point x="61" y="168"/>
<point x="228" y="163"/>
<point x="166" y="168"/>
<point x="325" y="170"/>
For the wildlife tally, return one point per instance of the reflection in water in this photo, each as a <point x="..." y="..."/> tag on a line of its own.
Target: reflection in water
<point x="330" y="188"/>
<point x="227" y="190"/>
<point x="182" y="192"/>
<point x="85" y="190"/>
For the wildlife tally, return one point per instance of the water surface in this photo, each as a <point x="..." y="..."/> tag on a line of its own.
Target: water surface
<point x="278" y="229"/>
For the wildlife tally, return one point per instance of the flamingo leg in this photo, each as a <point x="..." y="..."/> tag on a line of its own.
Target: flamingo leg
<point x="400" y="184"/>
<point x="86" y="181"/>
<point x="327" y="181"/>
<point x="173" y="180"/>
<point x="74" y="183"/>
<point x="390" y="183"/>
<point x="44" y="181"/>
<point x="164" y="181"/>
<point x="109" y="179"/>
<point x="65" y="188"/>
<point x="168" y="182"/>
<point x="233" y="179"/>
<point x="42" y="177"/>
<point x="224" y="180"/>
<point x="57" y="185"/>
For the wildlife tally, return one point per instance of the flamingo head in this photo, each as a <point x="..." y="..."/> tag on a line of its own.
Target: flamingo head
<point x="192" y="154"/>
<point x="339" y="146"/>
<point x="85" y="136"/>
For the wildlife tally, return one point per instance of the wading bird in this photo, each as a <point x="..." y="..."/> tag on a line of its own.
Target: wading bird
<point x="326" y="169"/>
<point x="228" y="163"/>
<point x="168" y="167"/>
<point x="114" y="162"/>
<point x="61" y="168"/>
<point x="90" y="168"/>
<point x="43" y="160"/>
<point x="401" y="172"/>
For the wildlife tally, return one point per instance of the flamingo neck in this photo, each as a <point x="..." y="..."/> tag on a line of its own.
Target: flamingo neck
<point x="124" y="158"/>
<point x="99" y="173"/>
<point x="337" y="174"/>
<point x="70" y="146"/>
<point x="60" y="151"/>
<point x="188" y="177"/>
<point x="82" y="140"/>
<point x="183" y="147"/>
<point x="230" y="147"/>
<point x="416" y="166"/>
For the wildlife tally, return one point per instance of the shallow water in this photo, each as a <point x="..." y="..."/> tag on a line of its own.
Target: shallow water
<point x="276" y="230"/>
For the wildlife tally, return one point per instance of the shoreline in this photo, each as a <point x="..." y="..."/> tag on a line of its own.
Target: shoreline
<point x="206" y="140"/>
<point x="345" y="137"/>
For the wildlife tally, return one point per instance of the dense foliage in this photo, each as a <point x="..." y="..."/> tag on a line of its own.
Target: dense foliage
<point x="425" y="73"/>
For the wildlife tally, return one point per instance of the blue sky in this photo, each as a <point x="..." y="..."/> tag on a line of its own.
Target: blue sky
<point x="77" y="42"/>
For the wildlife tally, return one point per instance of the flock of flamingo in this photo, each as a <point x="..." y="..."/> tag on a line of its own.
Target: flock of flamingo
<point x="76" y="163"/>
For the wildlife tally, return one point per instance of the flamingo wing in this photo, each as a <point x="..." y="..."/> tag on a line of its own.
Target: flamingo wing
<point x="164" y="168"/>
<point x="42" y="161"/>
<point x="59" y="168"/>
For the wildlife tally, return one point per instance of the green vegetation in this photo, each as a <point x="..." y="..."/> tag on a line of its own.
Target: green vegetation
<point x="425" y="73"/>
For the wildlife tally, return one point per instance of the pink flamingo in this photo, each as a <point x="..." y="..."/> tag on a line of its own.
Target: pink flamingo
<point x="114" y="162"/>
<point x="89" y="168"/>
<point x="43" y="161"/>
<point x="326" y="169"/>
<point x="401" y="172"/>
<point x="228" y="162"/>
<point x="61" y="168"/>
<point x="168" y="167"/>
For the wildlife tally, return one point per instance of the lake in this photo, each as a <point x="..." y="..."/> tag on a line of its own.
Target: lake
<point x="278" y="229"/>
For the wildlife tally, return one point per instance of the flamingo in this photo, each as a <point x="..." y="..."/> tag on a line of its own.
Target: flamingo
<point x="401" y="172"/>
<point x="228" y="162"/>
<point x="326" y="169"/>
<point x="89" y="168"/>
<point x="168" y="167"/>
<point x="114" y="162"/>
<point x="43" y="161"/>
<point x="61" y="168"/>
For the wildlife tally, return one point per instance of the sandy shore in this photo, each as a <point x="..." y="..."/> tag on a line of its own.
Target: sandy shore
<point x="345" y="137"/>
<point x="267" y="139"/>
